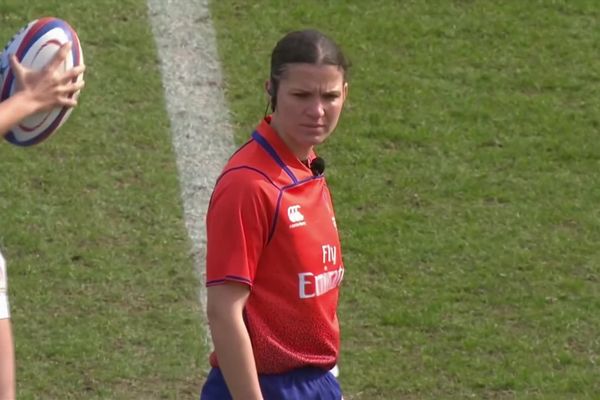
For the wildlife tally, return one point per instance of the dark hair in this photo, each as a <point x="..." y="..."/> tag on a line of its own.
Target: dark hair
<point x="306" y="46"/>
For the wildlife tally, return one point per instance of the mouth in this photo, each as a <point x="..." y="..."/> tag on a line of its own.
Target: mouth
<point x="313" y="126"/>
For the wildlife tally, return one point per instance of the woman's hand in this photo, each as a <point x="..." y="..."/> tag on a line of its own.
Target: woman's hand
<point x="49" y="87"/>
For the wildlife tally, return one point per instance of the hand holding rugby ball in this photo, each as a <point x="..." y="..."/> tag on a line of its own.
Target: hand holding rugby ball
<point x="47" y="49"/>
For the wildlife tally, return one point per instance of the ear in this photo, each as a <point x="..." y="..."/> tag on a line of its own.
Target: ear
<point x="269" y="87"/>
<point x="345" y="90"/>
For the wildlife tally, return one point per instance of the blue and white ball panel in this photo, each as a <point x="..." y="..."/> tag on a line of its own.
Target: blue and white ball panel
<point x="35" y="45"/>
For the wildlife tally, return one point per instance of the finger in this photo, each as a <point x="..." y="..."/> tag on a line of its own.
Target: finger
<point x="76" y="86"/>
<point x="67" y="99"/>
<point x="69" y="94"/>
<point x="18" y="70"/>
<point x="60" y="56"/>
<point x="68" y="102"/>
<point x="15" y="65"/>
<point x="80" y="69"/>
<point x="73" y="73"/>
<point x="71" y="87"/>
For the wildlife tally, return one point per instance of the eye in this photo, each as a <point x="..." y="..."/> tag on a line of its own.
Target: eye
<point x="301" y="95"/>
<point x="331" y="96"/>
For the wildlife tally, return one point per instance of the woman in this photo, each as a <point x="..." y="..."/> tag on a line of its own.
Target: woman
<point x="274" y="263"/>
<point x="38" y="91"/>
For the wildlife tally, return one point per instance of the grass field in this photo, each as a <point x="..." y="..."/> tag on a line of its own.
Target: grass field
<point x="102" y="285"/>
<point x="464" y="180"/>
<point x="463" y="174"/>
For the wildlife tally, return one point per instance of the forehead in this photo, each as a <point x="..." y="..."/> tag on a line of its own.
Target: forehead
<point x="313" y="75"/>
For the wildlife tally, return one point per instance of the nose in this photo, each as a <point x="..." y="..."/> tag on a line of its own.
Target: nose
<point x="316" y="109"/>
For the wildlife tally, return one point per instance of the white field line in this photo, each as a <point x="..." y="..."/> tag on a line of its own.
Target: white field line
<point x="202" y="134"/>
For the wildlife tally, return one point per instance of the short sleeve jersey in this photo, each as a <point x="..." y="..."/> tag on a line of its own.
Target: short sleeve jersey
<point x="4" y="307"/>
<point x="271" y="226"/>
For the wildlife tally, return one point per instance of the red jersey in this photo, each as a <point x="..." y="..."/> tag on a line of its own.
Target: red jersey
<point x="271" y="226"/>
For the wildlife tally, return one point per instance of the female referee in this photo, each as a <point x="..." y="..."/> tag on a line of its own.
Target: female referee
<point x="38" y="91"/>
<point x="274" y="264"/>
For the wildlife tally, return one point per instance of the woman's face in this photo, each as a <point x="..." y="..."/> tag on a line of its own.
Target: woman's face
<point x="309" y="102"/>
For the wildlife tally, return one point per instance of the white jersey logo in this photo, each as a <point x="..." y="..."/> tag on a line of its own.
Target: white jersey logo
<point x="311" y="285"/>
<point x="295" y="216"/>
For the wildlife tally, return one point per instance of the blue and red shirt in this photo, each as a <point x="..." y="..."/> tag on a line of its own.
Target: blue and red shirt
<point x="271" y="226"/>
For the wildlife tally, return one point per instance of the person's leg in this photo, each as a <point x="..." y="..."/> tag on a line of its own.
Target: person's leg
<point x="7" y="361"/>
<point x="7" y="353"/>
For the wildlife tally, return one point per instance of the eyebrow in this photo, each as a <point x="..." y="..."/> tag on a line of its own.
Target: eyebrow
<point x="302" y="90"/>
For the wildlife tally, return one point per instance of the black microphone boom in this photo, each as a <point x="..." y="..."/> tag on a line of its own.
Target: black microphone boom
<point x="317" y="166"/>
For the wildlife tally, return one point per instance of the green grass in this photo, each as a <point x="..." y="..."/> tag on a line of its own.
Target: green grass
<point x="464" y="178"/>
<point x="463" y="174"/>
<point x="102" y="286"/>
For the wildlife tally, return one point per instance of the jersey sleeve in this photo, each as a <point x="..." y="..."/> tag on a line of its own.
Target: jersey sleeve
<point x="238" y="223"/>
<point x="4" y="306"/>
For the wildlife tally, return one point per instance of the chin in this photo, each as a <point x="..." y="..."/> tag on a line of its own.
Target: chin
<point x="316" y="140"/>
<point x="317" y="137"/>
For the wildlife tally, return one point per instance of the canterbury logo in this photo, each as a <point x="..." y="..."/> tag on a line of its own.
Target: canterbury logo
<point x="294" y="214"/>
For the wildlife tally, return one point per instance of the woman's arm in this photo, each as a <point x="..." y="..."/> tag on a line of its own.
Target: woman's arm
<point x="7" y="361"/>
<point x="225" y="306"/>
<point x="40" y="90"/>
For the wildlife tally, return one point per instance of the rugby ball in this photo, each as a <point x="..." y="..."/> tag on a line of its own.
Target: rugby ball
<point x="34" y="46"/>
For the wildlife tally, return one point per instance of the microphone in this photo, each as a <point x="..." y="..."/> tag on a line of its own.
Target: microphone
<point x="317" y="166"/>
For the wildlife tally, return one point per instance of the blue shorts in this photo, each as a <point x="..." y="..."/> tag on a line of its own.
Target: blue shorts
<point x="299" y="384"/>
